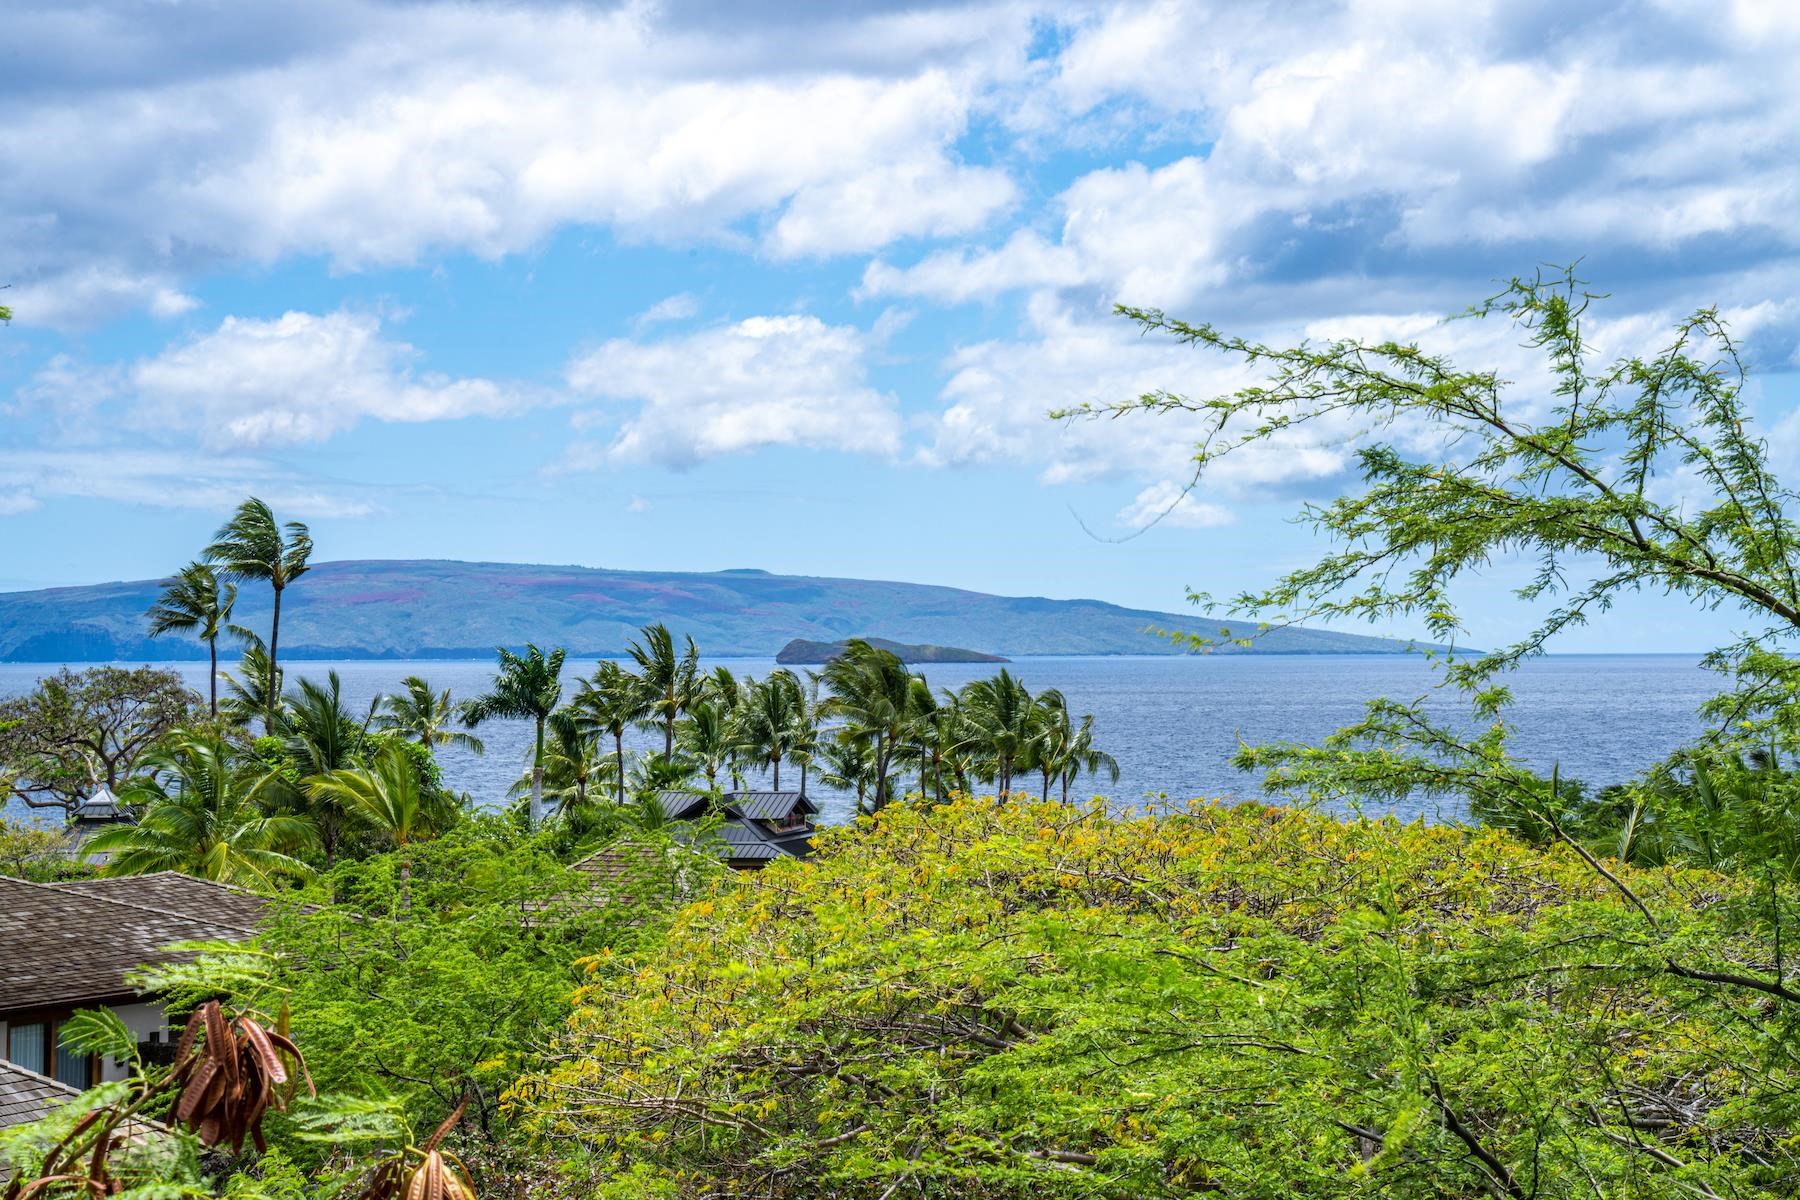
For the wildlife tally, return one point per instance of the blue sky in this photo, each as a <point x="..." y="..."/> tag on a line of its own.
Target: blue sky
<point x="695" y="286"/>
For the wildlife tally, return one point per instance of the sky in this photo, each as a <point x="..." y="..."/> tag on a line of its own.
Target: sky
<point x="696" y="285"/>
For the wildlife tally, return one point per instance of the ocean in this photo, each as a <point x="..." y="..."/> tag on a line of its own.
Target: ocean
<point x="1174" y="722"/>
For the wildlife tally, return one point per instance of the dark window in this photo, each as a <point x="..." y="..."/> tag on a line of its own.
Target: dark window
<point x="72" y="1068"/>
<point x="29" y="1046"/>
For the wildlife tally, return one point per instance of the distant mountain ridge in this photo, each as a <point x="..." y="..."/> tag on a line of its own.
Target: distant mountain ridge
<point x="407" y="609"/>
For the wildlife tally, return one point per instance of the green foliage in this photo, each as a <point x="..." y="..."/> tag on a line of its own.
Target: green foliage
<point x="200" y="814"/>
<point x="1036" y="1000"/>
<point x="254" y="545"/>
<point x="34" y="852"/>
<point x="1643" y="474"/>
<point x="196" y="601"/>
<point x="416" y="981"/>
<point x="78" y="729"/>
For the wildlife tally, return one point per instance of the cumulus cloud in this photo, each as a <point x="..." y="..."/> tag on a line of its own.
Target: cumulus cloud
<point x="1388" y="137"/>
<point x="377" y="134"/>
<point x="766" y="381"/>
<point x="300" y="377"/>
<point x="995" y="401"/>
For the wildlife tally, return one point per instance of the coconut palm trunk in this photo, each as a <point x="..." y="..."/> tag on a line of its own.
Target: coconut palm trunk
<point x="537" y="778"/>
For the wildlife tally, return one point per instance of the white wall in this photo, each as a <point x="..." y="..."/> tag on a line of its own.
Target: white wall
<point x="141" y="1019"/>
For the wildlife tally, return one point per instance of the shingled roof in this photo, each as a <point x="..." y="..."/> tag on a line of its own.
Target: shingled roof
<point x="26" y="1096"/>
<point x="68" y="946"/>
<point x="171" y="891"/>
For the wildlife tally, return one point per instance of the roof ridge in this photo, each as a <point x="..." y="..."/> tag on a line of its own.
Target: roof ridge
<point x="131" y="904"/>
<point x="15" y="1068"/>
<point x="166" y="872"/>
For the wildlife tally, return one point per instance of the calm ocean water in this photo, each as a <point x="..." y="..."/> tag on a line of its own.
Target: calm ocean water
<point x="1173" y="723"/>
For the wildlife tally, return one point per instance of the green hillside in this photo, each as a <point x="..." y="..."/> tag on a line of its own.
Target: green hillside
<point x="442" y="609"/>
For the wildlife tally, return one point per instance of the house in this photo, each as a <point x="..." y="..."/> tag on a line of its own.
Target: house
<point x="70" y="945"/>
<point x="99" y="812"/>
<point x="755" y="829"/>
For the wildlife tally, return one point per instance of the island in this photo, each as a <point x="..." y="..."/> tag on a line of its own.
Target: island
<point x="802" y="652"/>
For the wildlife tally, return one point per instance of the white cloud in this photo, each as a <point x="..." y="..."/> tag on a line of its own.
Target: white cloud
<point x="678" y="307"/>
<point x="300" y="377"/>
<point x="163" y="479"/>
<point x="383" y="134"/>
<point x="16" y="500"/>
<point x="1368" y="137"/>
<point x="865" y="212"/>
<point x="1171" y="503"/>
<point x="766" y="381"/>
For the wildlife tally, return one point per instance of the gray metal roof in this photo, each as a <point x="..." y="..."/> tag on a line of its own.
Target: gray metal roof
<point x="769" y="806"/>
<point x="680" y="806"/>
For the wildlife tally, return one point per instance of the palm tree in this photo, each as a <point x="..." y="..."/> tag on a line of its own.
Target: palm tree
<point x="672" y="680"/>
<point x="1081" y="755"/>
<point x="1000" y="719"/>
<point x="869" y="691"/>
<point x="197" y="601"/>
<point x="318" y="737"/>
<point x="1051" y="733"/>
<point x="709" y="737"/>
<point x="573" y="762"/>
<point x="201" y="817"/>
<point x="252" y="689"/>
<point x="846" y="763"/>
<point x="922" y="734"/>
<point x="611" y="702"/>
<point x="389" y="797"/>
<point x="424" y="716"/>
<point x="769" y="722"/>
<point x="527" y="687"/>
<point x="252" y="545"/>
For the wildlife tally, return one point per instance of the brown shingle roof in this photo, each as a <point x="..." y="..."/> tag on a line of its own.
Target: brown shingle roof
<point x="66" y="947"/>
<point x="171" y="891"/>
<point x="25" y="1095"/>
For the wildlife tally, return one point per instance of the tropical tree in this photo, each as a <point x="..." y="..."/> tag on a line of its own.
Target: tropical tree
<point x="846" y="764"/>
<point x="199" y="814"/>
<point x="251" y="691"/>
<point x="671" y="678"/>
<point x="708" y="737"/>
<point x="196" y="601"/>
<point x="1080" y="755"/>
<point x="769" y="722"/>
<point x="79" y="728"/>
<point x="527" y="687"/>
<point x="390" y="797"/>
<point x="424" y="715"/>
<point x="574" y="764"/>
<point x="1060" y="750"/>
<point x="1000" y="718"/>
<point x="1642" y="474"/>
<point x="253" y="545"/>
<point x="611" y="702"/>
<point x="920" y="738"/>
<point x="870" y="688"/>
